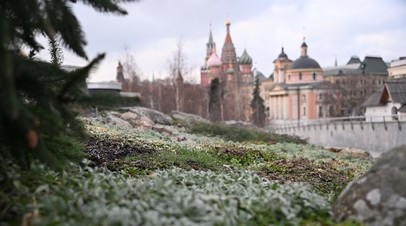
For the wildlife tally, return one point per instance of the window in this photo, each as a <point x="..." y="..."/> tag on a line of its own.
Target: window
<point x="304" y="111"/>
<point x="331" y="111"/>
<point x="288" y="77"/>
<point x="394" y="112"/>
<point x="320" y="111"/>
<point x="300" y="75"/>
<point x="314" y="76"/>
<point x="303" y="98"/>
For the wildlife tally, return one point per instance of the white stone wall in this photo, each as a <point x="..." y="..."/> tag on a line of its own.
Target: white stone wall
<point x="374" y="137"/>
<point x="378" y="113"/>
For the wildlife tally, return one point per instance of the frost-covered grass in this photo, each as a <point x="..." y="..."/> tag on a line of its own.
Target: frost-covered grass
<point x="326" y="171"/>
<point x="95" y="196"/>
<point x="182" y="179"/>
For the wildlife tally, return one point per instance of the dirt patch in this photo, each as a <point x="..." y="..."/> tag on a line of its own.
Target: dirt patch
<point x="103" y="151"/>
<point x="227" y="150"/>
<point x="322" y="176"/>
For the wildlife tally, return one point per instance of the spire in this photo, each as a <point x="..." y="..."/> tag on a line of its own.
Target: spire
<point x="303" y="48"/>
<point x="228" y="54"/>
<point x="120" y="75"/>
<point x="210" y="36"/>
<point x="211" y="46"/>
<point x="335" y="63"/>
<point x="228" y="36"/>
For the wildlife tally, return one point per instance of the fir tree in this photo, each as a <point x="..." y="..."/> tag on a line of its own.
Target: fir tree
<point x="215" y="96"/>
<point x="257" y="106"/>
<point x="55" y="51"/>
<point x="37" y="98"/>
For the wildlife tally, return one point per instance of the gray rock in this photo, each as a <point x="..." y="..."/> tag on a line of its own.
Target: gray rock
<point x="379" y="196"/>
<point x="155" y="116"/>
<point x="188" y="118"/>
<point x="113" y="119"/>
<point x="137" y="119"/>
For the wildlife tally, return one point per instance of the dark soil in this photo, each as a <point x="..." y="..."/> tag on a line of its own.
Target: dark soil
<point x="322" y="176"/>
<point x="102" y="151"/>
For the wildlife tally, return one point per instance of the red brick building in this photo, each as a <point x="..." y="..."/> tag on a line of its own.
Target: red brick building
<point x="227" y="68"/>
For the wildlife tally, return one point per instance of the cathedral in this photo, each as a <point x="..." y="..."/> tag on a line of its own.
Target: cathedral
<point x="299" y="89"/>
<point x="227" y="68"/>
<point x="295" y="90"/>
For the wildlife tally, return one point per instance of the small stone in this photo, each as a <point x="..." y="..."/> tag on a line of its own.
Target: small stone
<point x="401" y="203"/>
<point x="362" y="180"/>
<point x="361" y="207"/>
<point x="374" y="196"/>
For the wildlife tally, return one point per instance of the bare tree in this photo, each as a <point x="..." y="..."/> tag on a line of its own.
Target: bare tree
<point x="257" y="106"/>
<point x="177" y="70"/>
<point x="131" y="72"/>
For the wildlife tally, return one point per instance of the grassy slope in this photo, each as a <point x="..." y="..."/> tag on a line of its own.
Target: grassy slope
<point x="216" y="181"/>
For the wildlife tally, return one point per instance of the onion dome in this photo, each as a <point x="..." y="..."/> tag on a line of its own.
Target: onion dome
<point x="304" y="60"/>
<point x="228" y="22"/>
<point x="214" y="60"/>
<point x="283" y="54"/>
<point x="245" y="58"/>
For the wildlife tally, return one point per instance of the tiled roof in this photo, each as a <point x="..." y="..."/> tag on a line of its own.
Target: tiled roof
<point x="374" y="65"/>
<point x="348" y="69"/>
<point x="397" y="90"/>
<point x="371" y="65"/>
<point x="374" y="99"/>
<point x="354" y="60"/>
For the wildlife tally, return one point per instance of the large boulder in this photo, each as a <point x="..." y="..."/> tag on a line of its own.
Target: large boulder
<point x="188" y="118"/>
<point x="113" y="118"/>
<point x="379" y="196"/>
<point x="137" y="119"/>
<point x="155" y="116"/>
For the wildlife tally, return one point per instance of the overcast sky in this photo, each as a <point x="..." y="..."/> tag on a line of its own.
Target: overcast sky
<point x="153" y="27"/>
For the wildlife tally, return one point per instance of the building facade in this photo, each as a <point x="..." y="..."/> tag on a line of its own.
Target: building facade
<point x="296" y="94"/>
<point x="388" y="103"/>
<point x="233" y="73"/>
<point x="397" y="68"/>
<point x="356" y="80"/>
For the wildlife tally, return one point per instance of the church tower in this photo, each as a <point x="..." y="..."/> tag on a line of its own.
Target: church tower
<point x="120" y="74"/>
<point x="281" y="65"/>
<point x="211" y="46"/>
<point x="228" y="55"/>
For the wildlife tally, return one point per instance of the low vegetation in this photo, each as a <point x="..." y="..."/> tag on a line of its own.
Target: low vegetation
<point x="241" y="134"/>
<point x="169" y="176"/>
